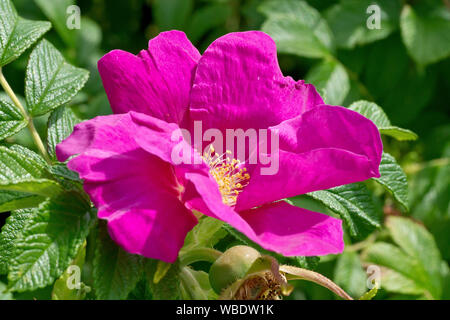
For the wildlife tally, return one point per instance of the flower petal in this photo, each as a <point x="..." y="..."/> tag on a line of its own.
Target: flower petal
<point x="143" y="220"/>
<point x="294" y="231"/>
<point x="103" y="133"/>
<point x="136" y="191"/>
<point x="238" y="84"/>
<point x="157" y="82"/>
<point x="321" y="149"/>
<point x="332" y="127"/>
<point x="278" y="227"/>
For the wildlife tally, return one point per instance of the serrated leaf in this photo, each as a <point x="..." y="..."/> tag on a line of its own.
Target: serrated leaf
<point x="348" y="19"/>
<point x="375" y="113"/>
<point x="50" y="80"/>
<point x="331" y="78"/>
<point x="14" y="200"/>
<point x="393" y="179"/>
<point x="349" y="274"/>
<point x="61" y="290"/>
<point x="297" y="28"/>
<point x="16" y="33"/>
<point x="416" y="261"/>
<point x="168" y="288"/>
<point x="353" y="202"/>
<point x="426" y="32"/>
<point x="60" y="126"/>
<point x="11" y="120"/>
<point x="418" y="243"/>
<point x="56" y="12"/>
<point x="49" y="242"/>
<point x="12" y="229"/>
<point x="116" y="272"/>
<point x="24" y="171"/>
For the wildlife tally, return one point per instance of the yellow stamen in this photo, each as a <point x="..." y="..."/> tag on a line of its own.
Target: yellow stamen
<point x="230" y="178"/>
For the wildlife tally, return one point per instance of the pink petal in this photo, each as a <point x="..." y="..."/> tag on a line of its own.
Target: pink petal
<point x="278" y="227"/>
<point x="157" y="82"/>
<point x="238" y="84"/>
<point x="294" y="231"/>
<point x="104" y="133"/>
<point x="332" y="127"/>
<point x="143" y="220"/>
<point x="323" y="148"/>
<point x="136" y="191"/>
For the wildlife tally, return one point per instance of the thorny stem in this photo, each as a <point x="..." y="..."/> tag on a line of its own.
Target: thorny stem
<point x="294" y="273"/>
<point x="28" y="119"/>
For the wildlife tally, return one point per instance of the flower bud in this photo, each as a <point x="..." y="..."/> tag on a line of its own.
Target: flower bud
<point x="232" y="265"/>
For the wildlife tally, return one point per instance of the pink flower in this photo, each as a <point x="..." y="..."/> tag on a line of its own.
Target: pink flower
<point x="148" y="199"/>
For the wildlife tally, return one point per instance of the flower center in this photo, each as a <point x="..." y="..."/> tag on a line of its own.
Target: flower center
<point x="229" y="175"/>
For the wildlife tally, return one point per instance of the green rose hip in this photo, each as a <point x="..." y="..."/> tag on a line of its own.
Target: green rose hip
<point x="232" y="265"/>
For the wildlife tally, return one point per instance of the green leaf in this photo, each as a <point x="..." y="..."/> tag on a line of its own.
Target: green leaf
<point x="206" y="18"/>
<point x="206" y="233"/>
<point x="353" y="202"/>
<point x="13" y="200"/>
<point x="393" y="281"/>
<point x="330" y="78"/>
<point x="348" y="20"/>
<point x="426" y="32"/>
<point x="393" y="179"/>
<point x="16" y="33"/>
<point x="50" y="80"/>
<point x="399" y="133"/>
<point x="375" y="113"/>
<point x="429" y="195"/>
<point x="60" y="126"/>
<point x="369" y="295"/>
<point x="61" y="290"/>
<point x="349" y="274"/>
<point x="418" y="243"/>
<point x="24" y="171"/>
<point x="116" y="272"/>
<point x="55" y="11"/>
<point x="11" y="120"/>
<point x="297" y="28"/>
<point x="172" y="14"/>
<point x="89" y="39"/>
<point x="12" y="229"/>
<point x="49" y="242"/>
<point x="195" y="285"/>
<point x="415" y="263"/>
<point x="168" y="288"/>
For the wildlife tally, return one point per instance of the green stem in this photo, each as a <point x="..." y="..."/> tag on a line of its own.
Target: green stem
<point x="294" y="273"/>
<point x="28" y="119"/>
<point x="416" y="167"/>
<point x="199" y="254"/>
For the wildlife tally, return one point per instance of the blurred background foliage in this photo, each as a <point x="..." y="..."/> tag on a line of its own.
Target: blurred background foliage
<point x="404" y="67"/>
